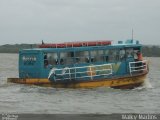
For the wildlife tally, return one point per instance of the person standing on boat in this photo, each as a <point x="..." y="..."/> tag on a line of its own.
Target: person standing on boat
<point x="139" y="55"/>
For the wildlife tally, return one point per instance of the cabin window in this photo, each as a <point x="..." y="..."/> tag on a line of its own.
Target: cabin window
<point x="66" y="58"/>
<point x="135" y="52"/>
<point x="106" y="55"/>
<point x="113" y="55"/>
<point x="82" y="57"/>
<point x="97" y="56"/>
<point x="50" y="59"/>
<point x="129" y="53"/>
<point x="122" y="54"/>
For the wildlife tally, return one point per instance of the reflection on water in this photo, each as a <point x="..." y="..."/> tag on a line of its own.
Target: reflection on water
<point x="35" y="99"/>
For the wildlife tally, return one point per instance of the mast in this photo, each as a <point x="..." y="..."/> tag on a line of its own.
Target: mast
<point x="132" y="33"/>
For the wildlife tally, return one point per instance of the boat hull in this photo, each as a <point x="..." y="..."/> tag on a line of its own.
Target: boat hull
<point x="127" y="82"/>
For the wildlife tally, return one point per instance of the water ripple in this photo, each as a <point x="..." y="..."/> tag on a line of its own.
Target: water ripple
<point x="34" y="99"/>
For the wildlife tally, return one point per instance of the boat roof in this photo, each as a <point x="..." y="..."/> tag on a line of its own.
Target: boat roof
<point x="121" y="44"/>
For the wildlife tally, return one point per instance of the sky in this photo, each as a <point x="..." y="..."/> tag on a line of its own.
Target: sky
<point x="54" y="21"/>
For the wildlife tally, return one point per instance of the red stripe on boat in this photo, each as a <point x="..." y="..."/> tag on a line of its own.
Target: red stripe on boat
<point x="75" y="44"/>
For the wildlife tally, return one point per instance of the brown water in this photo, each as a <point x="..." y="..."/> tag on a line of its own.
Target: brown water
<point x="33" y="99"/>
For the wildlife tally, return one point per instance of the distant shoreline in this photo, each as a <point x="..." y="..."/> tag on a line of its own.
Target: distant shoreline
<point x="148" y="50"/>
<point x="15" y="48"/>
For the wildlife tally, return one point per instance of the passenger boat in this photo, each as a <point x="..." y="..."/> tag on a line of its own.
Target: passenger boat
<point x="86" y="64"/>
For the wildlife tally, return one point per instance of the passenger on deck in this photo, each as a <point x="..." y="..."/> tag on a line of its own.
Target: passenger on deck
<point x="61" y="61"/>
<point x="139" y="55"/>
<point x="45" y="60"/>
<point x="138" y="64"/>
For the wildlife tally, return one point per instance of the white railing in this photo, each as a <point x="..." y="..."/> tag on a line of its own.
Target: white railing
<point x="138" y="66"/>
<point x="83" y="72"/>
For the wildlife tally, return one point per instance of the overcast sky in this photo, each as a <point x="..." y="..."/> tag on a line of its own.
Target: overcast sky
<point x="30" y="21"/>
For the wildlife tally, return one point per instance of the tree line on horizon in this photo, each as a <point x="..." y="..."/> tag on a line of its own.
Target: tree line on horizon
<point x="148" y="51"/>
<point x="15" y="48"/>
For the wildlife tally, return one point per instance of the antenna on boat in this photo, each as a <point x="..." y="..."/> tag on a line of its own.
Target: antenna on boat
<point x="132" y="33"/>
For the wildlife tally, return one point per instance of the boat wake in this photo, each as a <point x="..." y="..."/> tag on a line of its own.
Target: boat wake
<point x="4" y="83"/>
<point x="147" y="84"/>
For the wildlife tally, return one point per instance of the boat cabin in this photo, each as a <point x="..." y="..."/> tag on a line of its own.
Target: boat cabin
<point x="82" y="60"/>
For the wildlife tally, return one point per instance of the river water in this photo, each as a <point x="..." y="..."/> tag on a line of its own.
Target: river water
<point x="16" y="98"/>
